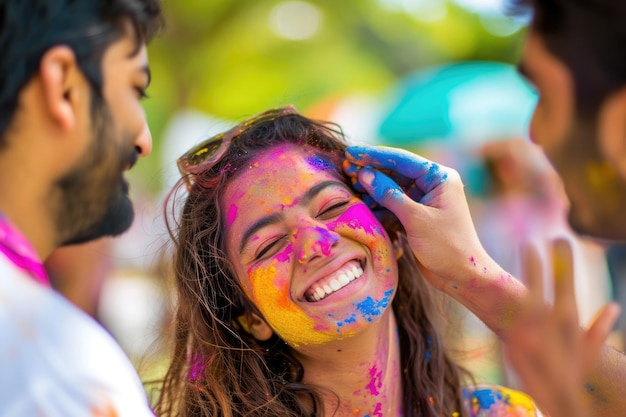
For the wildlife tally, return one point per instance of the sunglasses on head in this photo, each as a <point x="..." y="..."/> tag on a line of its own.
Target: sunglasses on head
<point x="206" y="154"/>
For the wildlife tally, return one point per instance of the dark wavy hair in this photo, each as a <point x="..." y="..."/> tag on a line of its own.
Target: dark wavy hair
<point x="588" y="36"/>
<point x="217" y="369"/>
<point x="28" y="28"/>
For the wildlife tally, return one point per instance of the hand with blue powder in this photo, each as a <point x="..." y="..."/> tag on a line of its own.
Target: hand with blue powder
<point x="429" y="201"/>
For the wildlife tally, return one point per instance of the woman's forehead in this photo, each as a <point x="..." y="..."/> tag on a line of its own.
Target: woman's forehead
<point x="286" y="162"/>
<point x="278" y="176"/>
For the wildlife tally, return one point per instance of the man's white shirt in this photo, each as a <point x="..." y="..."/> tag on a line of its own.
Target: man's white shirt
<point x="55" y="360"/>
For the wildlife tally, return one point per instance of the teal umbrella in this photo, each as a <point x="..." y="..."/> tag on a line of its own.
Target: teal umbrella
<point x="462" y="104"/>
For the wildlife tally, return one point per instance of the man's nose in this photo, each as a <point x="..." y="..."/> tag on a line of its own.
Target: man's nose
<point x="143" y="143"/>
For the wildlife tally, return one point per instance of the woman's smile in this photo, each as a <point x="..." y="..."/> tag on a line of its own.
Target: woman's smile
<point x="334" y="282"/>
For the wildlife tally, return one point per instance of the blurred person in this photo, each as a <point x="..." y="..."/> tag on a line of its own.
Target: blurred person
<point x="573" y="54"/>
<point x="524" y="202"/>
<point x="72" y="75"/>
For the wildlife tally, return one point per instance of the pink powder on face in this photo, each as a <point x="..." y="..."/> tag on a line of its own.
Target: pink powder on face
<point x="232" y="214"/>
<point x="360" y="217"/>
<point x="285" y="255"/>
<point x="322" y="243"/>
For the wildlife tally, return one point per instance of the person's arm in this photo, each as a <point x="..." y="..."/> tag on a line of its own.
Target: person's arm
<point x="561" y="365"/>
<point x="432" y="207"/>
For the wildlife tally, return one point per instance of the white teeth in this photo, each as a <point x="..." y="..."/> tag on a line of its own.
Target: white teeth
<point x="320" y="293"/>
<point x="356" y="272"/>
<point x="343" y="279"/>
<point x="335" y="284"/>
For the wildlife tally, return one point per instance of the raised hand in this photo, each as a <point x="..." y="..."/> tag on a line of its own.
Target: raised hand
<point x="552" y="355"/>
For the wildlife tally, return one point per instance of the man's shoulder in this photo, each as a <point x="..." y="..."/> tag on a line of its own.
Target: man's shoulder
<point x="38" y="318"/>
<point x="50" y="351"/>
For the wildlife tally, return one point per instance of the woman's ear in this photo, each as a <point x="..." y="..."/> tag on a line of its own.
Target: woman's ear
<point x="256" y="326"/>
<point x="612" y="130"/>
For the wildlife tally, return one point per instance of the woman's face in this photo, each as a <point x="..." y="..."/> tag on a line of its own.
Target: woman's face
<point x="309" y="254"/>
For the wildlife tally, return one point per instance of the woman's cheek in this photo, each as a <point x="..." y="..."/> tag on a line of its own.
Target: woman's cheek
<point x="270" y="293"/>
<point x="271" y="276"/>
<point x="270" y="289"/>
<point x="359" y="223"/>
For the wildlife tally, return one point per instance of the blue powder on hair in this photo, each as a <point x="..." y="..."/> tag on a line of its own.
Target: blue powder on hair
<point x="319" y="163"/>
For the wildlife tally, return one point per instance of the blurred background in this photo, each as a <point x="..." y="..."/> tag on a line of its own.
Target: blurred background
<point x="433" y="76"/>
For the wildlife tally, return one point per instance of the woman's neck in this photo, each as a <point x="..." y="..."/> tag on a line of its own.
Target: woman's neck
<point x="364" y="371"/>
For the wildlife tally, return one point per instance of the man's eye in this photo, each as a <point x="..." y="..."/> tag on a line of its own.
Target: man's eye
<point x="142" y="92"/>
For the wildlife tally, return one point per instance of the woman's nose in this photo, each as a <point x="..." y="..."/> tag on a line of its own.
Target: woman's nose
<point x="314" y="241"/>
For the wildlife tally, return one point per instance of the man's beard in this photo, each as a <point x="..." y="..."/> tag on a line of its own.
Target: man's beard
<point x="94" y="198"/>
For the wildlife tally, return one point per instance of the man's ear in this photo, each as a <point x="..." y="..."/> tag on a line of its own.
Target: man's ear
<point x="60" y="78"/>
<point x="612" y="130"/>
<point x="256" y="326"/>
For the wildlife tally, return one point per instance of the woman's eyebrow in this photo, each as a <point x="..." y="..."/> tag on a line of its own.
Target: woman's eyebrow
<point x="276" y="217"/>
<point x="316" y="189"/>
<point x="256" y="226"/>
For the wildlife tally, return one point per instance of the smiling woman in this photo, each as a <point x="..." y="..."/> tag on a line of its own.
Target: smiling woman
<point x="297" y="295"/>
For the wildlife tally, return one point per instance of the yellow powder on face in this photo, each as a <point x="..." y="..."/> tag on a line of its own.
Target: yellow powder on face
<point x="270" y="293"/>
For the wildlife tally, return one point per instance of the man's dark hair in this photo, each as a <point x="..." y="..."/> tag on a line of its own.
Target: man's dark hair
<point x="28" y="28"/>
<point x="589" y="37"/>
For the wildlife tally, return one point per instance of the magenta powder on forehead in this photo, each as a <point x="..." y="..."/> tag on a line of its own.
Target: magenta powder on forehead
<point x="232" y="214"/>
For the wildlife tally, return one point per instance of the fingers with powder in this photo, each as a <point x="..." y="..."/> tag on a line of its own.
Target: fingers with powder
<point x="546" y="346"/>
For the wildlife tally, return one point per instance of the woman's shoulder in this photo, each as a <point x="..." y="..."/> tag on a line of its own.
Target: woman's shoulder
<point x="487" y="400"/>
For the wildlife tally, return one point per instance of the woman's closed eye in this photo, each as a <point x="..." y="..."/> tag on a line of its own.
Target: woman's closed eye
<point x="268" y="246"/>
<point x="332" y="210"/>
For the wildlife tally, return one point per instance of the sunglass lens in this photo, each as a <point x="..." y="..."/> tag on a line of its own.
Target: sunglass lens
<point x="204" y="151"/>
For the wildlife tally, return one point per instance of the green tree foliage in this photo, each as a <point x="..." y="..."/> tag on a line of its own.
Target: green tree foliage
<point x="222" y="56"/>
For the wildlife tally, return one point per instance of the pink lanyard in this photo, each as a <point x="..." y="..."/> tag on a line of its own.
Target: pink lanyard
<point x="19" y="251"/>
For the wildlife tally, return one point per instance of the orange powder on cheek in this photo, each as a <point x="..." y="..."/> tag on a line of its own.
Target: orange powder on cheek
<point x="271" y="296"/>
